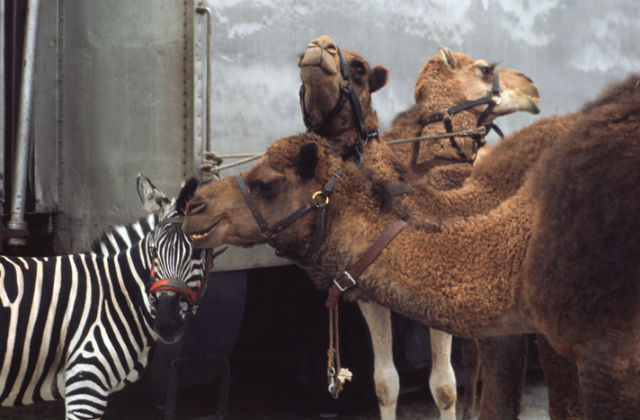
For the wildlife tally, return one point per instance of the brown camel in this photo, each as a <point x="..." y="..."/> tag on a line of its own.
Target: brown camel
<point x="584" y="249"/>
<point x="474" y="282"/>
<point x="321" y="76"/>
<point x="447" y="80"/>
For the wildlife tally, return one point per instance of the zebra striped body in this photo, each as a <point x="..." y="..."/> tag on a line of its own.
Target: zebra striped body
<point x="103" y="335"/>
<point x="119" y="238"/>
<point x="80" y="327"/>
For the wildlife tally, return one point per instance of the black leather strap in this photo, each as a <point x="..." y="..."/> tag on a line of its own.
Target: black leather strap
<point x="319" y="201"/>
<point x="346" y="92"/>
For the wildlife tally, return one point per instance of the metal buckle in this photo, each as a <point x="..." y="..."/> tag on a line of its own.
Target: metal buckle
<point x="349" y="276"/>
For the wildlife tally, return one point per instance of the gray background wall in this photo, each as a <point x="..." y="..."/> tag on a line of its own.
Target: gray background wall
<point x="571" y="49"/>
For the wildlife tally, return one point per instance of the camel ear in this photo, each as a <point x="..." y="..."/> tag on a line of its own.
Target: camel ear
<point x="379" y="77"/>
<point x="154" y="200"/>
<point x="187" y="192"/>
<point x="448" y="57"/>
<point x="308" y="161"/>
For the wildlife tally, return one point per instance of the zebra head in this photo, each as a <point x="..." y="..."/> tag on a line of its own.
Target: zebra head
<point x="178" y="271"/>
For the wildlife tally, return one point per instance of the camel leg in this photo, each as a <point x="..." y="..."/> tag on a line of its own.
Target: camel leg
<point x="442" y="381"/>
<point x="385" y="375"/>
<point x="561" y="377"/>
<point x="470" y="373"/>
<point x="504" y="361"/>
<point x="609" y="374"/>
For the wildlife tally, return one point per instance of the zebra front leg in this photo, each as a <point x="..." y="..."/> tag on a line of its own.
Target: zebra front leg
<point x="385" y="375"/>
<point x="442" y="381"/>
<point x="85" y="396"/>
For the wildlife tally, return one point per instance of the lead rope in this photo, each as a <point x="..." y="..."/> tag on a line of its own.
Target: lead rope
<point x="336" y="374"/>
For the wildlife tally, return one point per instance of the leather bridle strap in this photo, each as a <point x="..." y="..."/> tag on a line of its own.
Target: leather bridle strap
<point x="447" y="115"/>
<point x="319" y="200"/>
<point x="342" y="98"/>
<point x="193" y="297"/>
<point x="346" y="92"/>
<point x="175" y="286"/>
<point x="347" y="279"/>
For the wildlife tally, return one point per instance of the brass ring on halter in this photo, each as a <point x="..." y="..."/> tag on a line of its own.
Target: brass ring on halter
<point x="317" y="193"/>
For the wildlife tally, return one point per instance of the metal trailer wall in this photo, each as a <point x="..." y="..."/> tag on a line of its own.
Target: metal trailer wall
<point x="571" y="49"/>
<point x="112" y="98"/>
<point x="122" y="85"/>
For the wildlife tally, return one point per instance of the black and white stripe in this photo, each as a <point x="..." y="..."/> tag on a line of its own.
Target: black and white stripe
<point x="80" y="326"/>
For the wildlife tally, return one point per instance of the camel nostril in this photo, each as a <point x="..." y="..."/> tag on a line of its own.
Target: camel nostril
<point x="326" y="43"/>
<point x="331" y="48"/>
<point x="196" y="208"/>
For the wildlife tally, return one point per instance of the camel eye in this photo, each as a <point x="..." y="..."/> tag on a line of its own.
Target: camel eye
<point x="264" y="189"/>
<point x="486" y="70"/>
<point x="359" y="68"/>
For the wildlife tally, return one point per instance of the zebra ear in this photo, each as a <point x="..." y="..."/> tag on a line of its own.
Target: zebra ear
<point x="154" y="200"/>
<point x="187" y="192"/>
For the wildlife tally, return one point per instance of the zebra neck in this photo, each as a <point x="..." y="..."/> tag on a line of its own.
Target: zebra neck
<point x="134" y="264"/>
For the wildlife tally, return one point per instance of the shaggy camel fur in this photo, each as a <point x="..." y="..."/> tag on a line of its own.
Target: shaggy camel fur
<point x="584" y="251"/>
<point x="321" y="78"/>
<point x="493" y="296"/>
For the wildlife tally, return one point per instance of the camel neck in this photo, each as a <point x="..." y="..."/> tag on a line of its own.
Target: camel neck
<point x="447" y="279"/>
<point x="472" y="198"/>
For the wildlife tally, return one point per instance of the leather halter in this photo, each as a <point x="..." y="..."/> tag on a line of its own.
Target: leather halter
<point x="319" y="201"/>
<point x="192" y="297"/>
<point x="448" y="113"/>
<point x="347" y="279"/>
<point x="346" y="92"/>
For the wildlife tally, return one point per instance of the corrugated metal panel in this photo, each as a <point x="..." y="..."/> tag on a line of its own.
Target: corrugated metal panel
<point x="124" y="108"/>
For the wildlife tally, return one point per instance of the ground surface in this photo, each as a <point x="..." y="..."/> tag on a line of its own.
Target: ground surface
<point x="278" y="364"/>
<point x="259" y="400"/>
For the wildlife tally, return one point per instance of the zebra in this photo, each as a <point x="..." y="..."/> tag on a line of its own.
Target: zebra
<point x="79" y="327"/>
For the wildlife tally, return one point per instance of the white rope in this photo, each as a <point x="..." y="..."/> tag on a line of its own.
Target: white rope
<point x="212" y="164"/>
<point x="463" y="133"/>
<point x="236" y="156"/>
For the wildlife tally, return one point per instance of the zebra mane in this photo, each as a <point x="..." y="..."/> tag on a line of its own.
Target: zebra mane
<point x="120" y="237"/>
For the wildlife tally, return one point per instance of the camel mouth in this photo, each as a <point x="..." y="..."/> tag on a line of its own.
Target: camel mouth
<point x="514" y="100"/>
<point x="201" y="236"/>
<point x="533" y="107"/>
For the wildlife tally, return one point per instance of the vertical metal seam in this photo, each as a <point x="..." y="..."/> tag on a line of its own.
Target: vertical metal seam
<point x="60" y="110"/>
<point x="3" y="129"/>
<point x="185" y="95"/>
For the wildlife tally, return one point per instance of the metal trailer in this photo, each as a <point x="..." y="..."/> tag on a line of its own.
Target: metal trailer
<point x="94" y="92"/>
<point x="97" y="90"/>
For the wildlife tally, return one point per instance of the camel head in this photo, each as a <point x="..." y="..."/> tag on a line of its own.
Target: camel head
<point x="281" y="181"/>
<point x="450" y="81"/>
<point x="290" y="173"/>
<point x="322" y="83"/>
<point x="450" y="78"/>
